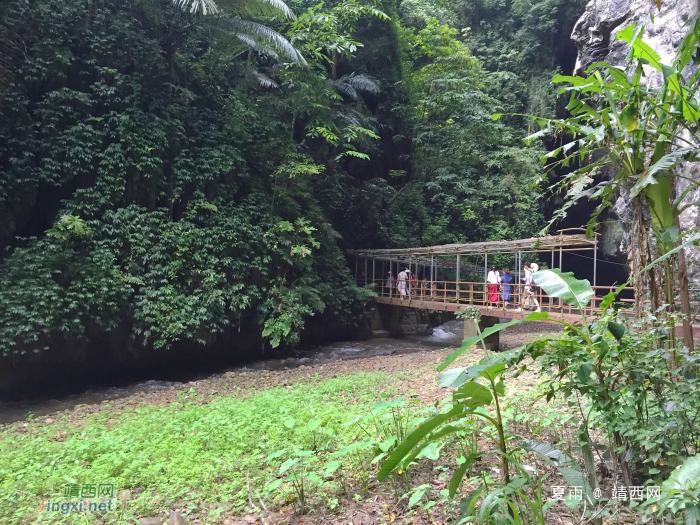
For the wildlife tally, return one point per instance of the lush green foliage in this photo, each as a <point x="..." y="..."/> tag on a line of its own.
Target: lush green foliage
<point x="201" y="444"/>
<point x="475" y="179"/>
<point x="154" y="156"/>
<point x="623" y="382"/>
<point x="170" y="195"/>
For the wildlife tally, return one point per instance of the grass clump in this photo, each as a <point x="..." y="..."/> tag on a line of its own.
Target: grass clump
<point x="199" y="449"/>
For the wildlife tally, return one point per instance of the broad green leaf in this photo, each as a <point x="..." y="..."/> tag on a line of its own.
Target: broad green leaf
<point x="550" y="454"/>
<point x="458" y="475"/>
<point x="681" y="477"/>
<point x="688" y="45"/>
<point x="616" y="329"/>
<point x="387" y="443"/>
<point x="576" y="81"/>
<point x="314" y="423"/>
<point x="659" y="199"/>
<point x="331" y="467"/>
<point x="414" y="438"/>
<point x="275" y="455"/>
<point x="456" y="377"/>
<point x="313" y="477"/>
<point x="432" y="451"/>
<point x="444" y="431"/>
<point x="284" y="467"/>
<point x="575" y="292"/>
<point x="468" y="343"/>
<point x="472" y="395"/>
<point x="670" y="235"/>
<point x="608" y="300"/>
<point x="691" y="514"/>
<point x="493" y="371"/>
<point x="640" y="49"/>
<point x="415" y="497"/>
<point x="378" y="458"/>
<point x="583" y="374"/>
<point x="347" y="449"/>
<point x="289" y="422"/>
<point x="628" y="118"/>
<point x="274" y="484"/>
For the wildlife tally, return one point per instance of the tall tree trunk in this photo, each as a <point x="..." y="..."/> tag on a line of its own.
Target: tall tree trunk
<point x="685" y="298"/>
<point x="640" y="259"/>
<point x="682" y="273"/>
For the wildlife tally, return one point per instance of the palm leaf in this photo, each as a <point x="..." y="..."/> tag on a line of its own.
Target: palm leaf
<point x="197" y="6"/>
<point x="346" y="90"/>
<point x="265" y="81"/>
<point x="247" y="30"/>
<point x="264" y="9"/>
<point x="349" y="85"/>
<point x="260" y="47"/>
<point x="671" y="160"/>
<point x="362" y="82"/>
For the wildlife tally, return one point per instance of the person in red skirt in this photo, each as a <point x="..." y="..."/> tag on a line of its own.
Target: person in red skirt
<point x="493" y="279"/>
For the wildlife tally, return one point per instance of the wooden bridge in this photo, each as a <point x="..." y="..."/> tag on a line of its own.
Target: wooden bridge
<point x="451" y="277"/>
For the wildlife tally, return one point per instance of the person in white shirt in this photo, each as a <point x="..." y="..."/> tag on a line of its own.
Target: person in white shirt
<point x="493" y="279"/>
<point x="528" y="297"/>
<point x="402" y="284"/>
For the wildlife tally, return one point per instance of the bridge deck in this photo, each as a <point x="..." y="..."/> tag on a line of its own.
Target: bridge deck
<point x="444" y="297"/>
<point x="503" y="313"/>
<point x="451" y="297"/>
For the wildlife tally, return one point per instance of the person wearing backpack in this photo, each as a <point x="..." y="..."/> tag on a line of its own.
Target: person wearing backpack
<point x="529" y="289"/>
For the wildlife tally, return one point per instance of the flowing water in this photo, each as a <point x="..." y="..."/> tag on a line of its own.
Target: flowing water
<point x="446" y="335"/>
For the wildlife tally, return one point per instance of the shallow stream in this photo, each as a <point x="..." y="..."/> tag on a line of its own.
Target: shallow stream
<point x="446" y="335"/>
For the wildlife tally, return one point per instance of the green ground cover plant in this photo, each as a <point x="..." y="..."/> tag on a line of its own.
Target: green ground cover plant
<point x="209" y="448"/>
<point x="634" y="390"/>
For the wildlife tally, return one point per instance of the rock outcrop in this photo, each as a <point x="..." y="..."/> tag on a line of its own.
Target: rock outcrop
<point x="595" y="37"/>
<point x="594" y="33"/>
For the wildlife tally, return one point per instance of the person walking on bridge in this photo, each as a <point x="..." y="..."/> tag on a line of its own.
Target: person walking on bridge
<point x="402" y="284"/>
<point x="506" y="279"/>
<point x="528" y="296"/>
<point x="492" y="281"/>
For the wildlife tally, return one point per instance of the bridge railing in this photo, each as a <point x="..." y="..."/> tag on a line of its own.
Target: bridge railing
<point x="516" y="295"/>
<point x="521" y="296"/>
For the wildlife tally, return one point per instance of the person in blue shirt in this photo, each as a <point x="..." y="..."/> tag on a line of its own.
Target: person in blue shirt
<point x="506" y="279"/>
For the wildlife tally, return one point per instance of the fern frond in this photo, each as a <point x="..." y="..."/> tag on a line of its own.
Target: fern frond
<point x="362" y="82"/>
<point x="247" y="29"/>
<point x="346" y="90"/>
<point x="196" y="6"/>
<point x="349" y="85"/>
<point x="266" y="9"/>
<point x="264" y="80"/>
<point x="258" y="46"/>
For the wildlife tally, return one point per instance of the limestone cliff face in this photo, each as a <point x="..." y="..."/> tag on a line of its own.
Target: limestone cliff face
<point x="595" y="32"/>
<point x="595" y="37"/>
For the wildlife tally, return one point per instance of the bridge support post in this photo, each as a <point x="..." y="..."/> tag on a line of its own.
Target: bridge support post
<point x="395" y="328"/>
<point x="486" y="321"/>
